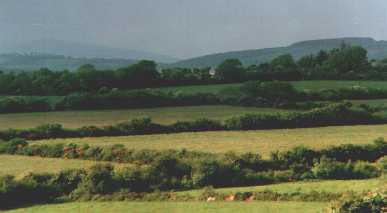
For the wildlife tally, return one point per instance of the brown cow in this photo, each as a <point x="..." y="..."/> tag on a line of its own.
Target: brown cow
<point x="249" y="199"/>
<point x="230" y="198"/>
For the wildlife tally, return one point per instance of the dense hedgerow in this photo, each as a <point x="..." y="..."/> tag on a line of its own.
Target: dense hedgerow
<point x="154" y="171"/>
<point x="24" y="104"/>
<point x="258" y="94"/>
<point x="165" y="174"/>
<point x="333" y="114"/>
<point x="297" y="160"/>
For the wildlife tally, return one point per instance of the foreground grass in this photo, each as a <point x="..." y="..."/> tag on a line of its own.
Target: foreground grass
<point x="164" y="115"/>
<point x="179" y="207"/>
<point x="300" y="85"/>
<point x="331" y="186"/>
<point x="20" y="166"/>
<point x="261" y="141"/>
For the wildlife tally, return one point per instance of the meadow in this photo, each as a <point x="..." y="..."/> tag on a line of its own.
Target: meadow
<point x="260" y="141"/>
<point x="263" y="142"/>
<point x="331" y="186"/>
<point x="300" y="85"/>
<point x="187" y="207"/>
<point x="19" y="166"/>
<point x="163" y="115"/>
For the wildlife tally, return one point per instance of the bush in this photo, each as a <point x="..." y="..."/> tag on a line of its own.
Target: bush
<point x="12" y="146"/>
<point x="35" y="188"/>
<point x="99" y="180"/>
<point x="23" y="104"/>
<point x="372" y="202"/>
<point x="330" y="169"/>
<point x="382" y="163"/>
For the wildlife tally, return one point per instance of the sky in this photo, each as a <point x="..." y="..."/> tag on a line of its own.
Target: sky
<point x="188" y="28"/>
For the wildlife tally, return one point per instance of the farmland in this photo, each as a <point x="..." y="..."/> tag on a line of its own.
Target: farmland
<point x="261" y="141"/>
<point x="194" y="207"/>
<point x="300" y="85"/>
<point x="164" y="115"/>
<point x="20" y="166"/>
<point x="332" y="186"/>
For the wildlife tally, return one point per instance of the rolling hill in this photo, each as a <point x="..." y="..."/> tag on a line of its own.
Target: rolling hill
<point x="376" y="50"/>
<point x="34" y="61"/>
<point x="60" y="55"/>
<point x="84" y="50"/>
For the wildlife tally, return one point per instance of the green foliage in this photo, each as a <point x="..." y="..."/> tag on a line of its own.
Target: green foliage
<point x="283" y="63"/>
<point x="231" y="70"/>
<point x="176" y="170"/>
<point x="99" y="180"/>
<point x="328" y="168"/>
<point x="12" y="146"/>
<point x="372" y="202"/>
<point x="332" y="114"/>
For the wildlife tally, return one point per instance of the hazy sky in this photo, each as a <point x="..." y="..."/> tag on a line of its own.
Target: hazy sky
<point x="185" y="28"/>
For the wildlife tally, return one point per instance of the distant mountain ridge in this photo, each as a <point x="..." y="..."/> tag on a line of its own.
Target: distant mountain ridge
<point x="35" y="61"/>
<point x="376" y="50"/>
<point x="70" y="55"/>
<point x="84" y="50"/>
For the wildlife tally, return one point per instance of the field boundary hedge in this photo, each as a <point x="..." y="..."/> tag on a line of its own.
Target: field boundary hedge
<point x="331" y="115"/>
<point x="258" y="94"/>
<point x="161" y="171"/>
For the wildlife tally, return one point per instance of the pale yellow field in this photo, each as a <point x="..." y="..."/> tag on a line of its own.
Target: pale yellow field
<point x="179" y="207"/>
<point x="163" y="115"/>
<point x="262" y="141"/>
<point x="20" y="166"/>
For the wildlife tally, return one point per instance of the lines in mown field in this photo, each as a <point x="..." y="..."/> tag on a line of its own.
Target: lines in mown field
<point x="260" y="141"/>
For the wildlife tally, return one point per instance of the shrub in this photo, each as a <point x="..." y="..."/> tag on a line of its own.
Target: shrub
<point x="372" y="202"/>
<point x="99" y="180"/>
<point x="382" y="163"/>
<point x="12" y="146"/>
<point x="330" y="169"/>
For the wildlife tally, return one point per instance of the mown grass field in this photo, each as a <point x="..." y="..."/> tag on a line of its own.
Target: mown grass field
<point x="261" y="141"/>
<point x="163" y="115"/>
<point x="300" y="85"/>
<point x="331" y="186"/>
<point x="20" y="166"/>
<point x="178" y="207"/>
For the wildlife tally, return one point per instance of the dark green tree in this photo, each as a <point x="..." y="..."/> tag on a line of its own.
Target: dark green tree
<point x="283" y="63"/>
<point x="231" y="70"/>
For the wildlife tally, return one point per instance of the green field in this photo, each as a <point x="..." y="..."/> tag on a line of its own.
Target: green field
<point x="300" y="85"/>
<point x="261" y="141"/>
<point x="331" y="186"/>
<point x="178" y="207"/>
<point x="50" y="99"/>
<point x="20" y="166"/>
<point x="163" y="115"/>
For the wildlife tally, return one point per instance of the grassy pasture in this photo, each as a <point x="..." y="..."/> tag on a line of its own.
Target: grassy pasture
<point x="163" y="115"/>
<point x="261" y="141"/>
<point x="331" y="186"/>
<point x="326" y="84"/>
<point x="178" y="207"/>
<point x="300" y="85"/>
<point x="20" y="166"/>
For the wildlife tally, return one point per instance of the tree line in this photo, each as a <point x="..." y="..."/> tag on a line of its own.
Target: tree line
<point x="253" y="93"/>
<point x="346" y="62"/>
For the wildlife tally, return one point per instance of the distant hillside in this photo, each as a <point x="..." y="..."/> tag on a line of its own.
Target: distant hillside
<point x="83" y="50"/>
<point x="376" y="50"/>
<point x="27" y="62"/>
